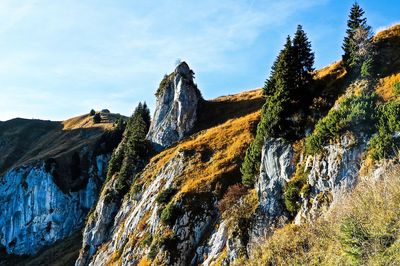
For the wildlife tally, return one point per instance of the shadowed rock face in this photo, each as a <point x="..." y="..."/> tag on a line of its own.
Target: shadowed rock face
<point x="176" y="108"/>
<point x="34" y="211"/>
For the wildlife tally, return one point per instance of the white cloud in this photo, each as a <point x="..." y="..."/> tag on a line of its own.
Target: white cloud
<point x="96" y="50"/>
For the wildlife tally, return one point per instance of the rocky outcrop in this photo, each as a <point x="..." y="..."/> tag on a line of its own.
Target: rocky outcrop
<point x="35" y="212"/>
<point x="99" y="222"/>
<point x="135" y="208"/>
<point x="331" y="173"/>
<point x="176" y="108"/>
<point x="137" y="231"/>
<point x="276" y="169"/>
<point x="209" y="253"/>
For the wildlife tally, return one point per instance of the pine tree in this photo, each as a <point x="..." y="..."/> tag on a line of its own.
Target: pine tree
<point x="287" y="92"/>
<point x="272" y="120"/>
<point x="134" y="147"/>
<point x="356" y="21"/>
<point x="303" y="61"/>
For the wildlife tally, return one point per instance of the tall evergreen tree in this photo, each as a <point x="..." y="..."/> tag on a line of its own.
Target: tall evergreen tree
<point x="303" y="64"/>
<point x="134" y="147"/>
<point x="356" y="21"/>
<point x="287" y="92"/>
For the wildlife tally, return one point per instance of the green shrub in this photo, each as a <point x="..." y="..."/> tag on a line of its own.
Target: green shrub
<point x="153" y="251"/>
<point x="297" y="186"/>
<point x="166" y="195"/>
<point x="396" y="88"/>
<point x="366" y="68"/>
<point x="353" y="238"/>
<point x="92" y="112"/>
<point x="169" y="214"/>
<point x="355" y="113"/>
<point x="136" y="186"/>
<point x="147" y="239"/>
<point x="384" y="144"/>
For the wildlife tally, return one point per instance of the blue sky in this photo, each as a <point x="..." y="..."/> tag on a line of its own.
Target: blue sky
<point x="59" y="59"/>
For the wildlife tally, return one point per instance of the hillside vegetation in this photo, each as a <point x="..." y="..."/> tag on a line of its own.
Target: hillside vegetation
<point x="361" y="229"/>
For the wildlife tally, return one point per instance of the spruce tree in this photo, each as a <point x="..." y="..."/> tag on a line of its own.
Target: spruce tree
<point x="287" y="93"/>
<point x="272" y="119"/>
<point x="356" y="21"/>
<point x="134" y="148"/>
<point x="303" y="61"/>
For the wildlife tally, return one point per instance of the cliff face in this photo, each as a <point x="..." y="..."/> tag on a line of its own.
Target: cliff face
<point x="176" y="108"/>
<point x="276" y="169"/>
<point x="46" y="197"/>
<point x="331" y="173"/>
<point x="35" y="212"/>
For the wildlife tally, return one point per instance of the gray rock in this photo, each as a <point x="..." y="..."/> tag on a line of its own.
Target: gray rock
<point x="35" y="213"/>
<point x="331" y="173"/>
<point x="176" y="108"/>
<point x="275" y="171"/>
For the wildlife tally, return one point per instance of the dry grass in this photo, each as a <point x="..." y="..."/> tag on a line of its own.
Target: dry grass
<point x="23" y="141"/>
<point x="225" y="145"/>
<point x="213" y="155"/>
<point x="221" y="109"/>
<point x="393" y="31"/>
<point x="334" y="70"/>
<point x="144" y="262"/>
<point x="370" y="212"/>
<point x="385" y="87"/>
<point x="216" y="152"/>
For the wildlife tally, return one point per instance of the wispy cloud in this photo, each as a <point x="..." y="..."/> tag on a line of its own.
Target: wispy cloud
<point x="69" y="56"/>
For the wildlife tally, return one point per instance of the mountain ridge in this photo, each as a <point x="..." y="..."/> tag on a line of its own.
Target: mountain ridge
<point x="171" y="214"/>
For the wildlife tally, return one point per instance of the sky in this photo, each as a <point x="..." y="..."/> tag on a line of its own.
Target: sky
<point x="59" y="59"/>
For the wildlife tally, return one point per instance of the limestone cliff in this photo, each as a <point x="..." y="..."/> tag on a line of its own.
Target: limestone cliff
<point x="176" y="108"/>
<point x="49" y="185"/>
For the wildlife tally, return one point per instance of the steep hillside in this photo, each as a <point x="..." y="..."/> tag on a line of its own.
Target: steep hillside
<point x="184" y="208"/>
<point x="210" y="160"/>
<point x="51" y="174"/>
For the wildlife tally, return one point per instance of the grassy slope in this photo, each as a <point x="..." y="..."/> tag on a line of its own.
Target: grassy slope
<point x="27" y="140"/>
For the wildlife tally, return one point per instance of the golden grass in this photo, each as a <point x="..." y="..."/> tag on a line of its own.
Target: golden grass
<point x="227" y="143"/>
<point x="393" y="31"/>
<point x="336" y="69"/>
<point x="385" y="87"/>
<point x="86" y="121"/>
<point x="144" y="262"/>
<point x="214" y="153"/>
<point x="242" y="96"/>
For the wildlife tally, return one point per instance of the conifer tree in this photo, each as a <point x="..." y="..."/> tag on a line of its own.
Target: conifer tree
<point x="134" y="147"/>
<point x="287" y="92"/>
<point x="303" y="64"/>
<point x="356" y="22"/>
